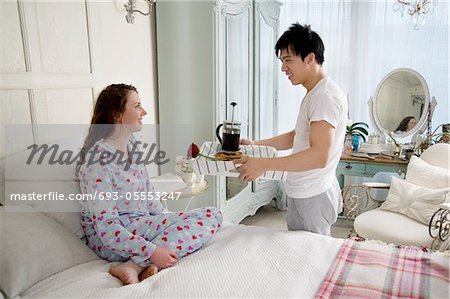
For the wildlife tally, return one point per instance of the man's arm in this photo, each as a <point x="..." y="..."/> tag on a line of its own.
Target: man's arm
<point x="281" y="142"/>
<point x="321" y="137"/>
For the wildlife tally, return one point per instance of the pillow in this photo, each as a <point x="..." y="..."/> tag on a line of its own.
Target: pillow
<point x="34" y="247"/>
<point x="423" y="174"/>
<point x="418" y="203"/>
<point x="43" y="178"/>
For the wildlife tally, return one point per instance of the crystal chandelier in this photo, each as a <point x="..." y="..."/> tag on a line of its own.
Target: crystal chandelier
<point x="417" y="9"/>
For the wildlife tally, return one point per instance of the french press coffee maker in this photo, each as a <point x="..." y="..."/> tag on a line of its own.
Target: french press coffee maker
<point x="231" y="133"/>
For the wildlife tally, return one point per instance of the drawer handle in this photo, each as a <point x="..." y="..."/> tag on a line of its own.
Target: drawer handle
<point x="348" y="166"/>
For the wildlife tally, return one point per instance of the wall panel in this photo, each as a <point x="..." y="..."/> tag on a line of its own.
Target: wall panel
<point x="12" y="55"/>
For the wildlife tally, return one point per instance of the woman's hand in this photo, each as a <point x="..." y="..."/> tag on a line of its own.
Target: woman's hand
<point x="163" y="258"/>
<point x="246" y="142"/>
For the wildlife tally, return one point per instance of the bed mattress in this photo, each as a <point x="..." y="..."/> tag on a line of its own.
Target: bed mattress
<point x="241" y="261"/>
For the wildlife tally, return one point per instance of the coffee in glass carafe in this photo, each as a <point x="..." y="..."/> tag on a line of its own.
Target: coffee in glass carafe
<point x="231" y="134"/>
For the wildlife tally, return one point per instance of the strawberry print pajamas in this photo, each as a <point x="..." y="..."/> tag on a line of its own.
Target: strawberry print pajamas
<point x="120" y="223"/>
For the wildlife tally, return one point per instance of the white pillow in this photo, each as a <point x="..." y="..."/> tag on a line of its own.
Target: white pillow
<point x="21" y="178"/>
<point x="418" y="203"/>
<point x="34" y="247"/>
<point x="423" y="174"/>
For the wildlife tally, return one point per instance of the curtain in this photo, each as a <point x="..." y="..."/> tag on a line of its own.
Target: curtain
<point x="332" y="21"/>
<point x="365" y="40"/>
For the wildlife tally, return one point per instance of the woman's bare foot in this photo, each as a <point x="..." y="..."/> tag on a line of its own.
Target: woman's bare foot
<point x="127" y="272"/>
<point x="147" y="272"/>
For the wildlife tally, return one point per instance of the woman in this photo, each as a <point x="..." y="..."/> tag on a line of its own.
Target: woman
<point x="118" y="228"/>
<point x="406" y="124"/>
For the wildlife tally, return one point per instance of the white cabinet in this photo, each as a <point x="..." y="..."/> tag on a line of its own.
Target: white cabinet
<point x="209" y="55"/>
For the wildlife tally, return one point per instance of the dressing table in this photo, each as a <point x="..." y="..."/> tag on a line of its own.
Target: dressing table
<point x="402" y="94"/>
<point x="364" y="167"/>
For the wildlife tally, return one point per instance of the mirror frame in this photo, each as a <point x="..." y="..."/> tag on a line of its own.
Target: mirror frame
<point x="422" y="123"/>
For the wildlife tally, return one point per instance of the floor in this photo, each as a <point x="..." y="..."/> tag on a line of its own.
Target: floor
<point x="270" y="217"/>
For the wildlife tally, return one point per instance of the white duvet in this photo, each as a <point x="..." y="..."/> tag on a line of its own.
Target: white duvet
<point x="241" y="261"/>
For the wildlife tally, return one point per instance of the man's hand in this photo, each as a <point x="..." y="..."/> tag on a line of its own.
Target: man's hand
<point x="250" y="168"/>
<point x="163" y="258"/>
<point x="246" y="142"/>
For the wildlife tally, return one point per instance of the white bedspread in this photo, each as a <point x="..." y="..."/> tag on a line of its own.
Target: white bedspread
<point x="241" y="261"/>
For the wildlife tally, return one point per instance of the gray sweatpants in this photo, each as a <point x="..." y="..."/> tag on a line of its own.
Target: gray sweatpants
<point x="315" y="214"/>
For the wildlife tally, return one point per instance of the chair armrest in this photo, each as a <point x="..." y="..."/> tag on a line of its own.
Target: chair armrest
<point x="358" y="199"/>
<point x="439" y="227"/>
<point x="377" y="185"/>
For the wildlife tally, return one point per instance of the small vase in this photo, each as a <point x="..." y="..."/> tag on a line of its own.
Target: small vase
<point x="356" y="139"/>
<point x="189" y="179"/>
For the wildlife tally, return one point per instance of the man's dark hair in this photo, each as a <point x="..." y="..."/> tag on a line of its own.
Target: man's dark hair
<point x="301" y="40"/>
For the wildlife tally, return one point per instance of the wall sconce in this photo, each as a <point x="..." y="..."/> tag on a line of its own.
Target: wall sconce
<point x="130" y="7"/>
<point x="417" y="9"/>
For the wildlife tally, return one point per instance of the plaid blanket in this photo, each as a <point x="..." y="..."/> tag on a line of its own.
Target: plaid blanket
<point x="371" y="270"/>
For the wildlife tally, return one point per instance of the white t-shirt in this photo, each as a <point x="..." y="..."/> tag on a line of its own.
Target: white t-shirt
<point x="326" y="101"/>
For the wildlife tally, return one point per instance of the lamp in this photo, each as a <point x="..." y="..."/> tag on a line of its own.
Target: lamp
<point x="417" y="9"/>
<point x="130" y="7"/>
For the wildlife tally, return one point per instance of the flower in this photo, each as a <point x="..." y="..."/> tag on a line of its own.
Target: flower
<point x="193" y="151"/>
<point x="183" y="164"/>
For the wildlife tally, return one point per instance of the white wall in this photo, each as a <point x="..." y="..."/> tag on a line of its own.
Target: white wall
<point x="128" y="52"/>
<point x="56" y="56"/>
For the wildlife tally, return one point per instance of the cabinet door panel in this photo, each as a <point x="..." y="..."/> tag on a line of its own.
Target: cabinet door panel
<point x="238" y="73"/>
<point x="238" y="68"/>
<point x="266" y="27"/>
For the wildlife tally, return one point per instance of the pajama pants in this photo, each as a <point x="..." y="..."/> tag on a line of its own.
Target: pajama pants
<point x="183" y="232"/>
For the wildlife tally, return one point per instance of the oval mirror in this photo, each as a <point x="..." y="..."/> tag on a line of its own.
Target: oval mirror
<point x="400" y="104"/>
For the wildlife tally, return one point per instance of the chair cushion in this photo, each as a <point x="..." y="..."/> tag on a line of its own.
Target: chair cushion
<point x="423" y="174"/>
<point x="418" y="203"/>
<point x="34" y="247"/>
<point x="392" y="227"/>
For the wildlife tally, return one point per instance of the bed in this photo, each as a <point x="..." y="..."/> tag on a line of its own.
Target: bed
<point x="43" y="255"/>
<point x="241" y="261"/>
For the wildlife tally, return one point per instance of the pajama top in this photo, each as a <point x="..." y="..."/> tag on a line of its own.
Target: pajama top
<point x="119" y="225"/>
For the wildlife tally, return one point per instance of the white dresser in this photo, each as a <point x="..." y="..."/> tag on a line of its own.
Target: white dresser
<point x="212" y="53"/>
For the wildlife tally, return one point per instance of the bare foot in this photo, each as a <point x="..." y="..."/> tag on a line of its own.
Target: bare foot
<point x="127" y="272"/>
<point x="149" y="271"/>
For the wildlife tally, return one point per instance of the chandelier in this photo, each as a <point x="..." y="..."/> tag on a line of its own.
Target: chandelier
<point x="417" y="9"/>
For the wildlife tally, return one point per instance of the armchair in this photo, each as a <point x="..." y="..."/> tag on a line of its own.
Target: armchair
<point x="391" y="227"/>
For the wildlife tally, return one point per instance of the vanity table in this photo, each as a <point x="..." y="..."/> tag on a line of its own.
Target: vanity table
<point x="400" y="97"/>
<point x="364" y="167"/>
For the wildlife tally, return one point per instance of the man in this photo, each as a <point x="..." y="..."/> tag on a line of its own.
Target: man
<point x="314" y="198"/>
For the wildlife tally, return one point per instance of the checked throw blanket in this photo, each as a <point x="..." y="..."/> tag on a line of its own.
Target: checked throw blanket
<point x="371" y="270"/>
